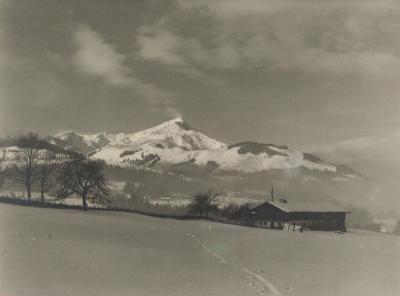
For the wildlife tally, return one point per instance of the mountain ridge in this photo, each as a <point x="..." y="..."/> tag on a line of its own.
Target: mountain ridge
<point x="176" y="142"/>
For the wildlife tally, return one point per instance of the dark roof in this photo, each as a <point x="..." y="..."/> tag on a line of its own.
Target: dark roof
<point x="297" y="206"/>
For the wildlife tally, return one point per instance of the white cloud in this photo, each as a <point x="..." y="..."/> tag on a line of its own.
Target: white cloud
<point x="95" y="57"/>
<point x="160" y="45"/>
<point x="312" y="37"/>
<point x="164" y="46"/>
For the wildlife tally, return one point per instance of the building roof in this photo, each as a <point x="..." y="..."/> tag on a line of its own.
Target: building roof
<point x="316" y="207"/>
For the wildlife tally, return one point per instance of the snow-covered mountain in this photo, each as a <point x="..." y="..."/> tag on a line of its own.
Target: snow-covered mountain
<point x="79" y="142"/>
<point x="175" y="142"/>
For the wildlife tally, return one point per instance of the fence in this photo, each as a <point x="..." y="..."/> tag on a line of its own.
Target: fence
<point x="61" y="204"/>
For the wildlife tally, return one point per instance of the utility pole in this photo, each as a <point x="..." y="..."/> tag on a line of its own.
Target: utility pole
<point x="272" y="192"/>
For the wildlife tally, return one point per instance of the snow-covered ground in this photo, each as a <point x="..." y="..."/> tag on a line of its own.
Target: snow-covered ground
<point x="69" y="252"/>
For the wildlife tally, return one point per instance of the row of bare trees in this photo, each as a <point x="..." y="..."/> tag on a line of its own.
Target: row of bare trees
<point x="36" y="164"/>
<point x="33" y="164"/>
<point x="205" y="204"/>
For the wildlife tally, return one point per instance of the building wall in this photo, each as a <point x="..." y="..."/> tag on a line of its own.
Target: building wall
<point x="269" y="216"/>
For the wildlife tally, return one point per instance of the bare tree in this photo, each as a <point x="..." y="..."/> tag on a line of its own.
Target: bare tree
<point x="26" y="161"/>
<point x="47" y="167"/>
<point x="3" y="173"/>
<point x="84" y="177"/>
<point x="203" y="203"/>
<point x="3" y="166"/>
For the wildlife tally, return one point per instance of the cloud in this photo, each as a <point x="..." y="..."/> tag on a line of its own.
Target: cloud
<point x="230" y="9"/>
<point x="313" y="37"/>
<point x="157" y="44"/>
<point x="370" y="152"/>
<point x="160" y="45"/>
<point x="97" y="58"/>
<point x="187" y="55"/>
<point x="173" y="112"/>
<point x="380" y="142"/>
<point x="223" y="56"/>
<point x="253" y="8"/>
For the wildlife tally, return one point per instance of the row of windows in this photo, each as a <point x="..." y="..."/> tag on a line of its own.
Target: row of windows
<point x="303" y="223"/>
<point x="269" y="223"/>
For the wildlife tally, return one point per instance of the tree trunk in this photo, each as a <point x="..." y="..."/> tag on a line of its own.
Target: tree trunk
<point x="84" y="204"/>
<point x="28" y="189"/>
<point x="42" y="192"/>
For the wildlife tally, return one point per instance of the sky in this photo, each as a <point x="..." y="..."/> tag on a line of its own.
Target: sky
<point x="319" y="76"/>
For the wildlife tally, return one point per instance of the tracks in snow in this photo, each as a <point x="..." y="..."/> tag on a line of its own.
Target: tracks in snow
<point x="196" y="239"/>
<point x="273" y="291"/>
<point x="268" y="284"/>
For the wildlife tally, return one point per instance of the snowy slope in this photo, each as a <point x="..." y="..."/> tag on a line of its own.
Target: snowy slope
<point x="175" y="142"/>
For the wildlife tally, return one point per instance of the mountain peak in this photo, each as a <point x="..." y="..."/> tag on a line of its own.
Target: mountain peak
<point x="172" y="121"/>
<point x="64" y="133"/>
<point x="182" y="123"/>
<point x="177" y="119"/>
<point x="176" y="122"/>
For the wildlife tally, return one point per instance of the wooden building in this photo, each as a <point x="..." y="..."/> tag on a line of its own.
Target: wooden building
<point x="314" y="216"/>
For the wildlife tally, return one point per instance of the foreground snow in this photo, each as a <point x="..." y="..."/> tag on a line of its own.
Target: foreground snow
<point x="65" y="252"/>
